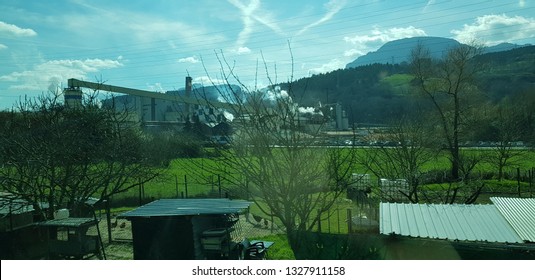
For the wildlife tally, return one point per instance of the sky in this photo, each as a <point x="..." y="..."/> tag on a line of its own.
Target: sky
<point x="154" y="45"/>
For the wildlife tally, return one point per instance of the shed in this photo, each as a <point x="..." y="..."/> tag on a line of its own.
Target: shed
<point x="173" y="228"/>
<point x="446" y="221"/>
<point x="502" y="230"/>
<point x="70" y="238"/>
<point x="519" y="213"/>
<point x="15" y="213"/>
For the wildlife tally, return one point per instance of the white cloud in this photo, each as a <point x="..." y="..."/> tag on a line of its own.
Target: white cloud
<point x="49" y="74"/>
<point x="333" y="7"/>
<point x="155" y="87"/>
<point x="243" y="50"/>
<point x="332" y="65"/>
<point x="15" y="30"/>
<point x="380" y="37"/>
<point x="362" y="44"/>
<point x="522" y="3"/>
<point x="495" y="29"/>
<point x="143" y="26"/>
<point x="191" y="59"/>
<point x="2" y="46"/>
<point x="428" y="5"/>
<point x="353" y="52"/>
<point x="250" y="15"/>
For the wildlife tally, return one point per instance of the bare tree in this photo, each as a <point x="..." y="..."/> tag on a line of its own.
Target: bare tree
<point x="404" y="159"/>
<point x="58" y="157"/>
<point x="272" y="158"/>
<point x="507" y="127"/>
<point x="448" y="83"/>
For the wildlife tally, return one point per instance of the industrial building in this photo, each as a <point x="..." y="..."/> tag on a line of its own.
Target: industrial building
<point x="172" y="108"/>
<point x="209" y="105"/>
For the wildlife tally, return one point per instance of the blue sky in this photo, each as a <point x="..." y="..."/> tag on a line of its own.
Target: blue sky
<point x="154" y="44"/>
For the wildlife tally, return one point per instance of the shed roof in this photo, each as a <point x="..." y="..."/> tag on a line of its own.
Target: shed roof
<point x="188" y="207"/>
<point x="69" y="222"/>
<point x="447" y="221"/>
<point x="9" y="204"/>
<point x="520" y="213"/>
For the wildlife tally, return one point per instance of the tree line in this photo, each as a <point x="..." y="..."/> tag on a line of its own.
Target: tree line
<point x="503" y="82"/>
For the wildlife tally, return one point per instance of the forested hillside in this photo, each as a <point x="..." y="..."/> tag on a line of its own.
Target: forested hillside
<point x="380" y="92"/>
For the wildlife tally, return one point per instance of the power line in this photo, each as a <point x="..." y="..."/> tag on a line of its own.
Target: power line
<point x="328" y="32"/>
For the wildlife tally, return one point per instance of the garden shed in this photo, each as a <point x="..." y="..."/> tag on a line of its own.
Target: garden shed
<point x="504" y="229"/>
<point x="15" y="213"/>
<point x="179" y="229"/>
<point x="19" y="238"/>
<point x="73" y="238"/>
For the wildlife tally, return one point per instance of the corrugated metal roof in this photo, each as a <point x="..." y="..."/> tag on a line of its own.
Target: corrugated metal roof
<point x="14" y="206"/>
<point x="69" y="222"/>
<point x="520" y="213"/>
<point x="446" y="221"/>
<point x="188" y="207"/>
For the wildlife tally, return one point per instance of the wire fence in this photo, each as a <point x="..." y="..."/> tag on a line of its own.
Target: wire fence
<point x="358" y="213"/>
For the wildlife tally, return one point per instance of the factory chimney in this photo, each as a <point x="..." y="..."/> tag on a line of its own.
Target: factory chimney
<point x="188" y="95"/>
<point x="73" y="97"/>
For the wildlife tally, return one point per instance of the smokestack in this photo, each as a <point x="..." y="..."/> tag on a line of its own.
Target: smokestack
<point x="73" y="97"/>
<point x="188" y="95"/>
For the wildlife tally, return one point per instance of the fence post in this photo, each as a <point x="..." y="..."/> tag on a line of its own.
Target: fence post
<point x="246" y="188"/>
<point x="219" y="184"/>
<point x="108" y="218"/>
<point x="271" y="221"/>
<point x="349" y="221"/>
<point x="186" y="184"/>
<point x="531" y="175"/>
<point x="176" y="185"/>
<point x="329" y="220"/>
<point x="212" y="181"/>
<point x="139" y="195"/>
<point x="518" y="181"/>
<point x="338" y="218"/>
<point x="319" y="221"/>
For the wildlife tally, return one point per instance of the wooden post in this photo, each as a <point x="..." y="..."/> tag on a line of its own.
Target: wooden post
<point x="219" y="184"/>
<point x="531" y="175"/>
<point x="139" y="195"/>
<point x="518" y="181"/>
<point x="186" y="184"/>
<point x="246" y="189"/>
<point x="143" y="191"/>
<point x="329" y="219"/>
<point x="338" y="218"/>
<point x="271" y="221"/>
<point x="349" y="221"/>
<point x="176" y="185"/>
<point x="212" y="181"/>
<point x="108" y="218"/>
<point x="319" y="221"/>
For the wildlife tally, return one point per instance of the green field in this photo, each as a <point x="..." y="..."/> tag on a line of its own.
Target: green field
<point x="194" y="174"/>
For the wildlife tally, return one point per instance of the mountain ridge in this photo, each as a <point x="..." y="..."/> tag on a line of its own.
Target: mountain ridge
<point x="399" y="51"/>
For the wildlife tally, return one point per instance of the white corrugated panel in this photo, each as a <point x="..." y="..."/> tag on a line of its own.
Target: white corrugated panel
<point x="447" y="221"/>
<point x="520" y="213"/>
